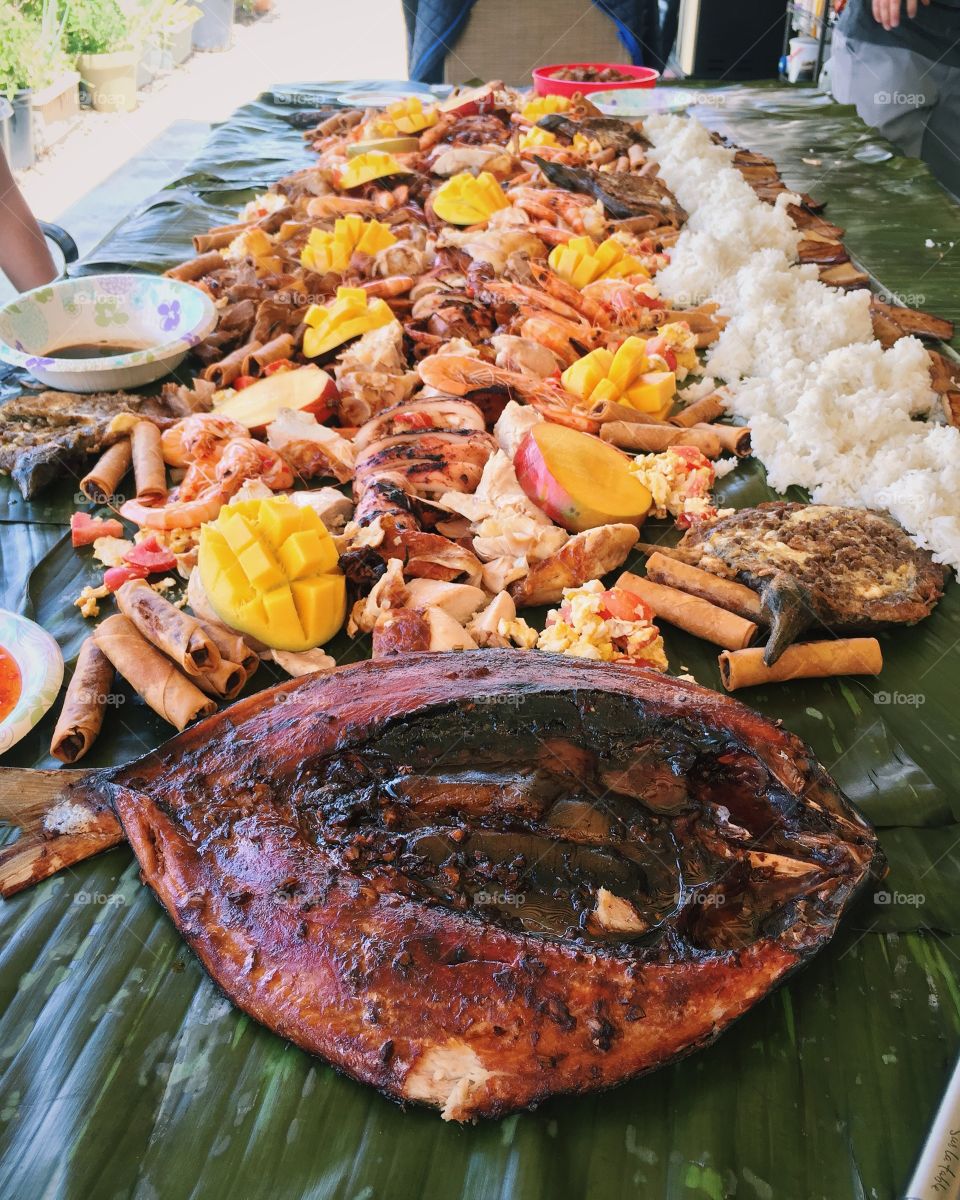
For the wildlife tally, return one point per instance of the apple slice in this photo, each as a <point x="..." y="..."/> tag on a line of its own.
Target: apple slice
<point x="306" y="389"/>
<point x="578" y="480"/>
<point x="469" y="102"/>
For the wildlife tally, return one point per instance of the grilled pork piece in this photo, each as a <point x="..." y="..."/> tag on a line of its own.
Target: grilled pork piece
<point x="405" y="867"/>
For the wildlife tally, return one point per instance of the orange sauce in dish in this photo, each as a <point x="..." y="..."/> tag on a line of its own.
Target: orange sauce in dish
<point x="10" y="683"/>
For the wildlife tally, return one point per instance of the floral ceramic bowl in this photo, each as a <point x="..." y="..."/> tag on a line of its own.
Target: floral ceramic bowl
<point x="40" y="664"/>
<point x="145" y="325"/>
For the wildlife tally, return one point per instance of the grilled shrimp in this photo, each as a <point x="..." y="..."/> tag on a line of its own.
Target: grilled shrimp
<point x="198" y="437"/>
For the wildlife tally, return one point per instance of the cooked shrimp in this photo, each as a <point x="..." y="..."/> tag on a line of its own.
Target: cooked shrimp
<point x="623" y="303"/>
<point x="178" y="514"/>
<point x="244" y="458"/>
<point x="553" y="333"/>
<point x="554" y="286"/>
<point x="551" y="204"/>
<point x="196" y="436"/>
<point x="325" y="207"/>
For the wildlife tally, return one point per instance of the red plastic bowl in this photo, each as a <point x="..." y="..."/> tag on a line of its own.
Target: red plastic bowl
<point x="545" y="85"/>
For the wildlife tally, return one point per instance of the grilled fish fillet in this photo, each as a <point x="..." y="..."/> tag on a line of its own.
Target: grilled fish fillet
<point x="406" y="868"/>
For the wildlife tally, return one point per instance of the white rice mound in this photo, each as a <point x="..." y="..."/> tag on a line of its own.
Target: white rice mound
<point x="830" y="409"/>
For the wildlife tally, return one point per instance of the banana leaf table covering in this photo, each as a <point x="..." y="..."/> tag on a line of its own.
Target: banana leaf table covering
<point x="125" y="1073"/>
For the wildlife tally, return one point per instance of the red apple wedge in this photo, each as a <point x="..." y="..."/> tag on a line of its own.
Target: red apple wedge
<point x="306" y="389"/>
<point x="469" y="102"/>
<point x="578" y="480"/>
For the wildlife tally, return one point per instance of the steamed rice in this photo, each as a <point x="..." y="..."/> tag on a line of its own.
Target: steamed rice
<point x="830" y="409"/>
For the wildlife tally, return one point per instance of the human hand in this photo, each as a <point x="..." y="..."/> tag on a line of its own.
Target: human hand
<point x="887" y="12"/>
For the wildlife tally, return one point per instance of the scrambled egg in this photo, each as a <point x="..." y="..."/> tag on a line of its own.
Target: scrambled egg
<point x="580" y="630"/>
<point x="87" y="600"/>
<point x="679" y="480"/>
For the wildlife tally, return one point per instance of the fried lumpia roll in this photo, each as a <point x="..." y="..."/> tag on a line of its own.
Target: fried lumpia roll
<point x="803" y="660"/>
<point x="148" y="470"/>
<point x="231" y="645"/>
<point x="176" y="633"/>
<point x="102" y="482"/>
<point x="736" y="597"/>
<point x="224" y="372"/>
<point x="704" y="410"/>
<point x="651" y="439"/>
<point x="696" y="616"/>
<point x="196" y="268"/>
<point x="152" y="675"/>
<point x="83" y="705"/>
<point x="225" y="682"/>
<point x="216" y="239"/>
<point x="272" y="351"/>
<point x="733" y="438"/>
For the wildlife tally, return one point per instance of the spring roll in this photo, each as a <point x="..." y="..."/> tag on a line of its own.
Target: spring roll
<point x="735" y="439"/>
<point x="231" y="645"/>
<point x="700" y="412"/>
<point x="176" y="633"/>
<point x="224" y="372"/>
<point x="102" y="481"/>
<point x="609" y="410"/>
<point x="196" y="268"/>
<point x="152" y="675"/>
<point x="217" y="239"/>
<point x="149" y="471"/>
<point x="696" y="616"/>
<point x="654" y="438"/>
<point x="726" y="593"/>
<point x="225" y="682"/>
<point x="272" y="351"/>
<point x="84" y="704"/>
<point x="803" y="660"/>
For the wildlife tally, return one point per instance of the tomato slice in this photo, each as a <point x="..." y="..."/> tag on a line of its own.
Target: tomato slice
<point x="150" y="557"/>
<point x="243" y="381"/>
<point x="623" y="605"/>
<point x="84" y="529"/>
<point x="116" y="577"/>
<point x="275" y="368"/>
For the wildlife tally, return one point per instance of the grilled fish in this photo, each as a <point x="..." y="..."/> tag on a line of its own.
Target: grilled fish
<point x="623" y="194"/>
<point x="609" y="132"/>
<point x="817" y="564"/>
<point x="475" y="880"/>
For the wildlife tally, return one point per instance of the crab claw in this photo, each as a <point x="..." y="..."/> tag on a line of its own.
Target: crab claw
<point x="786" y="607"/>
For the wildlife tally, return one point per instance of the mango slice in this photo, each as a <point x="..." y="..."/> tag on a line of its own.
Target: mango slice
<point x="269" y="569"/>
<point x="533" y="110"/>
<point x="332" y="251"/>
<point x="405" y="116"/>
<point x="372" y="165"/>
<point x="581" y="261"/>
<point x="351" y="314"/>
<point x="537" y="137"/>
<point x="624" y="378"/>
<point x="397" y="144"/>
<point x="466" y="199"/>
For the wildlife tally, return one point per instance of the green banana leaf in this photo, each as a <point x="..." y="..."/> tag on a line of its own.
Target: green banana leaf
<point x="124" y="1072"/>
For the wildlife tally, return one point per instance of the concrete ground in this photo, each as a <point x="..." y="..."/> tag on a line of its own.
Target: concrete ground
<point x="89" y="182"/>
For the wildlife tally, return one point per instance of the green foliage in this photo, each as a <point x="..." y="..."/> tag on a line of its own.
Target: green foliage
<point x="18" y="50"/>
<point x="94" y="27"/>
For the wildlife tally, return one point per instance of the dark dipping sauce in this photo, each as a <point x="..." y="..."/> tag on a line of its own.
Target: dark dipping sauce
<point x="94" y="350"/>
<point x="10" y="683"/>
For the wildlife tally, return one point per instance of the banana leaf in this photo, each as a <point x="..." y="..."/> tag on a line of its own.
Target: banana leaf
<point x="124" y="1072"/>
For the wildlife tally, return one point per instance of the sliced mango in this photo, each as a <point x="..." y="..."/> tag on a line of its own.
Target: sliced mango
<point x="467" y="199"/>
<point x="581" y="261"/>
<point x="332" y="250"/>
<point x="270" y="570"/>
<point x="385" y="145"/>
<point x="405" y="116"/>
<point x="537" y="137"/>
<point x="653" y="391"/>
<point x="365" y="167"/>
<point x="351" y="314"/>
<point x="623" y="378"/>
<point x="533" y="110"/>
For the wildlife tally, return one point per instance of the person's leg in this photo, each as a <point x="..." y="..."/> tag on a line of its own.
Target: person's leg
<point x="888" y="87"/>
<point x="941" y="139"/>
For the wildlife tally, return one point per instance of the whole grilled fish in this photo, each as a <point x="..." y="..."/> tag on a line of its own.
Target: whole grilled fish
<point x="623" y="194"/>
<point x="475" y="880"/>
<point x="609" y="132"/>
<point x="818" y="564"/>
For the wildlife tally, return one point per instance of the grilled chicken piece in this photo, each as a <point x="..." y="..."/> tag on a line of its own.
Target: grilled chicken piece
<point x="585" y="556"/>
<point x="400" y="866"/>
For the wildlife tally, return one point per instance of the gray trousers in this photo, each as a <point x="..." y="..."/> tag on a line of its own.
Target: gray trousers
<point x="910" y="99"/>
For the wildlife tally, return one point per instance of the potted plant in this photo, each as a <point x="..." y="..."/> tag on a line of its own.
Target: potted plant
<point x="144" y="19"/>
<point x="96" y="31"/>
<point x="176" y="29"/>
<point x="17" y="51"/>
<point x="56" y="93"/>
<point x="214" y="29"/>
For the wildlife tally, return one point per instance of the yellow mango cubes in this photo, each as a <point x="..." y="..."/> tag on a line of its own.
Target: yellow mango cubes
<point x="269" y="568"/>
<point x="351" y="314"/>
<point x="372" y="165"/>
<point x="581" y="261"/>
<point x="327" y="251"/>
<point x="533" y="110"/>
<point x="406" y="116"/>
<point x="466" y="199"/>
<point x="535" y="136"/>
<point x="623" y="377"/>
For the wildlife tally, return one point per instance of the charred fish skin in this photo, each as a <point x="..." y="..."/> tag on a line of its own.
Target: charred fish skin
<point x="624" y="195"/>
<point x="477" y="880"/>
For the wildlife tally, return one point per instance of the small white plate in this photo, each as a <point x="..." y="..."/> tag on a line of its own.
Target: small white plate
<point x="378" y="99"/>
<point x="41" y="673"/>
